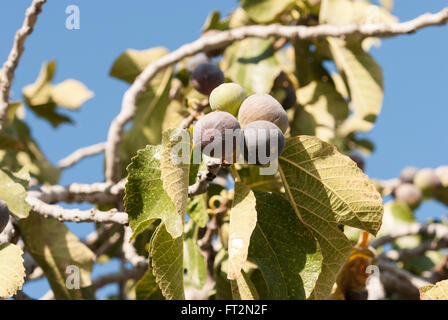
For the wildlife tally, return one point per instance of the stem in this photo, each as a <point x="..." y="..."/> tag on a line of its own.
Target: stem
<point x="235" y="173"/>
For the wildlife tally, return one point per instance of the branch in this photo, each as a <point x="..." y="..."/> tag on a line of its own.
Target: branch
<point x="76" y="215"/>
<point x="220" y="39"/>
<point x="101" y="192"/>
<point x="80" y="154"/>
<point x="204" y="178"/>
<point x="8" y="233"/>
<point x="438" y="230"/>
<point x="129" y="252"/>
<point x="400" y="281"/>
<point x="9" y="67"/>
<point x="125" y="275"/>
<point x="187" y="122"/>
<point x="406" y="254"/>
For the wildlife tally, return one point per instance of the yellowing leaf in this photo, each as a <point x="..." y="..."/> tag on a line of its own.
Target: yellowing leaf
<point x="70" y="94"/>
<point x="243" y="218"/>
<point x="439" y="291"/>
<point x="12" y="271"/>
<point x="326" y="189"/>
<point x="55" y="248"/>
<point x="340" y="12"/>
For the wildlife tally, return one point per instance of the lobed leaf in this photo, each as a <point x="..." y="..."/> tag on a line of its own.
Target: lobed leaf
<point x="13" y="190"/>
<point x="326" y="189"/>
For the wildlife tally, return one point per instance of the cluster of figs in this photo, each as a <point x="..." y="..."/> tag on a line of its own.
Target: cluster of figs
<point x="253" y="125"/>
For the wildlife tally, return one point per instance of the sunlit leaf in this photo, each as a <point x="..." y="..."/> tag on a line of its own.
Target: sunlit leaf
<point x="243" y="219"/>
<point x="55" y="248"/>
<point x="265" y="11"/>
<point x="12" y="271"/>
<point x="286" y="253"/>
<point x="439" y="291"/>
<point x="326" y="189"/>
<point x="13" y="190"/>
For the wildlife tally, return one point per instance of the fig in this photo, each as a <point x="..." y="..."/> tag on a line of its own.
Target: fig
<point x="217" y="134"/>
<point x="261" y="106"/>
<point x="263" y="142"/>
<point x="206" y="77"/>
<point x="227" y="97"/>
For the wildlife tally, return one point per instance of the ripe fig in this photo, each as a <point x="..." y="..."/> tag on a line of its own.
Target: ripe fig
<point x="427" y="180"/>
<point x="217" y="135"/>
<point x="358" y="160"/>
<point x="263" y="142"/>
<point x="261" y="106"/>
<point x="196" y="60"/>
<point x="4" y="215"/>
<point x="409" y="194"/>
<point x="206" y="77"/>
<point x="407" y="174"/>
<point x="227" y="97"/>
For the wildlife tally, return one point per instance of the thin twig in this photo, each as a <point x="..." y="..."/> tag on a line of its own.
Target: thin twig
<point x="80" y="154"/>
<point x="220" y="39"/>
<point x="76" y="215"/>
<point x="204" y="178"/>
<point x="18" y="47"/>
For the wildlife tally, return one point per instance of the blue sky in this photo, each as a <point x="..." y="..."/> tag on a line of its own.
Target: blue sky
<point x="411" y="130"/>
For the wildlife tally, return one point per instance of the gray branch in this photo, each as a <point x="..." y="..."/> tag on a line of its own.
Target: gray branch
<point x="76" y="215"/>
<point x="18" y="47"/>
<point x="80" y="154"/>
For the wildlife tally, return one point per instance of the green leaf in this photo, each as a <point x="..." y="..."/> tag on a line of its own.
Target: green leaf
<point x="243" y="219"/>
<point x="197" y="210"/>
<point x="132" y="62"/>
<point x="145" y="199"/>
<point x="326" y="189"/>
<point x="439" y="291"/>
<point x="243" y="288"/>
<point x="147" y="287"/>
<point x="323" y="109"/>
<point x="252" y="178"/>
<point x="286" y="253"/>
<point x="265" y="11"/>
<point x="175" y="165"/>
<point x="364" y="78"/>
<point x="151" y="106"/>
<point x="167" y="263"/>
<point x="194" y="261"/>
<point x="12" y="271"/>
<point x="54" y="248"/>
<point x="252" y="64"/>
<point x="32" y="157"/>
<point x="13" y="189"/>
